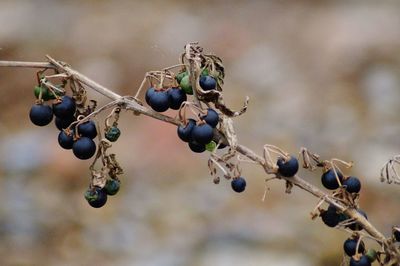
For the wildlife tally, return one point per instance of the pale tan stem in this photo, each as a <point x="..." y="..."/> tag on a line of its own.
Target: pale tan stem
<point x="130" y="104"/>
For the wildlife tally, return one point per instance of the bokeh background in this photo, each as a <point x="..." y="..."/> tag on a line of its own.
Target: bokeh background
<point x="320" y="74"/>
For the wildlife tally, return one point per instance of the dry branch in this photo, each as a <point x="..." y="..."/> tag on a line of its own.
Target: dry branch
<point x="130" y="103"/>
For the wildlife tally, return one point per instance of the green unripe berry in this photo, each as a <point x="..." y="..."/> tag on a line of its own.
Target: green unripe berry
<point x="185" y="85"/>
<point x="45" y="93"/>
<point x="180" y="76"/>
<point x="371" y="254"/>
<point x="112" y="186"/>
<point x="205" y="72"/>
<point x="211" y="146"/>
<point x="113" y="134"/>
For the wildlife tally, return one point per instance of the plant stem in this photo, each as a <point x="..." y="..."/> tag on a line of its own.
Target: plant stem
<point x="131" y="104"/>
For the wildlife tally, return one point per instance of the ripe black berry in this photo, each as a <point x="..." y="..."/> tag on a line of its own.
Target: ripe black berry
<point x="113" y="134"/>
<point x="112" y="186"/>
<point x="211" y="118"/>
<point x="159" y="101"/>
<point x="329" y="180"/>
<point x="150" y="91"/>
<point x="352" y="184"/>
<point x="197" y="147"/>
<point x="288" y="168"/>
<point x="330" y="217"/>
<point x="66" y="139"/>
<point x="64" y="109"/>
<point x="96" y="197"/>
<point x="202" y="134"/>
<point x="176" y="97"/>
<point x="185" y="131"/>
<point x="396" y="235"/>
<point x="87" y="129"/>
<point x="84" y="148"/>
<point x="356" y="226"/>
<point x="208" y="83"/>
<point x="41" y="115"/>
<point x="363" y="261"/>
<point x="64" y="123"/>
<point x="238" y="184"/>
<point x="350" y="246"/>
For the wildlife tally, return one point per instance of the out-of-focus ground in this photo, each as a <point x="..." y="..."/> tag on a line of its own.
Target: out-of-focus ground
<point x="320" y="74"/>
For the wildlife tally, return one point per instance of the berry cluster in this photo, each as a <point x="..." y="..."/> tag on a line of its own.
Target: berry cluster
<point x="354" y="247"/>
<point x="198" y="131"/>
<point x="208" y="127"/>
<point x="332" y="179"/>
<point x="77" y="133"/>
<point x="163" y="99"/>
<point x="97" y="196"/>
<point x="199" y="134"/>
<point x="64" y="109"/>
<point x="346" y="189"/>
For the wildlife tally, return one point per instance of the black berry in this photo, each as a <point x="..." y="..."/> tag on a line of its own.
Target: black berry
<point x="64" y="123"/>
<point x="352" y="184"/>
<point x="64" y="109"/>
<point x="363" y="261"/>
<point x="87" y="129"/>
<point x="176" y="97"/>
<point x="159" y="101"/>
<point x="96" y="197"/>
<point x="329" y="180"/>
<point x="150" y="91"/>
<point x="84" y="148"/>
<point x="208" y="83"/>
<point x="197" y="147"/>
<point x="211" y="118"/>
<point x="185" y="131"/>
<point x="41" y="115"/>
<point x="66" y="139"/>
<point x="330" y="217"/>
<point x="238" y="184"/>
<point x="202" y="134"/>
<point x="350" y="247"/>
<point x="288" y="168"/>
<point x="396" y="235"/>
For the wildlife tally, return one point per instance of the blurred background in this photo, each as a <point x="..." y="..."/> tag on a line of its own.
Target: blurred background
<point x="320" y="74"/>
